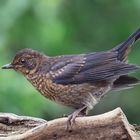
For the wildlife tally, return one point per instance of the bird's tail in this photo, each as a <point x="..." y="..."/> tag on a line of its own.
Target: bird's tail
<point x="124" y="48"/>
<point x="125" y="82"/>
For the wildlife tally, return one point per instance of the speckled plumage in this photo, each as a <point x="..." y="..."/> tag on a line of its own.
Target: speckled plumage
<point x="78" y="81"/>
<point x="70" y="95"/>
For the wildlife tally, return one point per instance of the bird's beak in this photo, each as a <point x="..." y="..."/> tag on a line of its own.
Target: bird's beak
<point x="7" y="66"/>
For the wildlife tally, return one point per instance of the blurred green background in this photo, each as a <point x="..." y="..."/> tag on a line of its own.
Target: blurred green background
<point x="58" y="27"/>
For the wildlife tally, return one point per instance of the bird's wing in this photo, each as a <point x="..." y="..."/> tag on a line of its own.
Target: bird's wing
<point x="90" y="68"/>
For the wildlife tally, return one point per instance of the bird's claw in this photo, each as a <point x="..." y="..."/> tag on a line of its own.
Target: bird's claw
<point x="71" y="121"/>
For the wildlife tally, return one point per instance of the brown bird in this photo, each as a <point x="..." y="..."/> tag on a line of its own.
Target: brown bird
<point x="78" y="81"/>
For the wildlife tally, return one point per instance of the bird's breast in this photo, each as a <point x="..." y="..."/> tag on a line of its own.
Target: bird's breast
<point x="74" y="95"/>
<point x="43" y="85"/>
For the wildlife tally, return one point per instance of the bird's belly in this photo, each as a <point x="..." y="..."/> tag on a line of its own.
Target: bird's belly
<point x="74" y="95"/>
<point x="79" y="95"/>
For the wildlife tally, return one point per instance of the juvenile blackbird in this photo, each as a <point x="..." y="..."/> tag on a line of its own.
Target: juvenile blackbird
<point x="78" y="81"/>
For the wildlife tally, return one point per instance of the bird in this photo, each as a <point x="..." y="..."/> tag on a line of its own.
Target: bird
<point x="79" y="81"/>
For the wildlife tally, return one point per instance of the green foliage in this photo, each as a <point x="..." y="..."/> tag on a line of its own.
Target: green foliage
<point x="63" y="27"/>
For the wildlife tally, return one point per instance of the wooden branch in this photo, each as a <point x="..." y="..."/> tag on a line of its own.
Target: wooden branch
<point x="109" y="126"/>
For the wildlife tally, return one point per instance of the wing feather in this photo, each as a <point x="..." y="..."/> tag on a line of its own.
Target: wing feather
<point x="90" y="68"/>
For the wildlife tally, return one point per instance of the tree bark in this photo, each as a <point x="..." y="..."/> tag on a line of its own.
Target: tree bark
<point x="112" y="125"/>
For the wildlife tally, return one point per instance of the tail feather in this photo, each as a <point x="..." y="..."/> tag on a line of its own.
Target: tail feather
<point x="124" y="48"/>
<point x="124" y="82"/>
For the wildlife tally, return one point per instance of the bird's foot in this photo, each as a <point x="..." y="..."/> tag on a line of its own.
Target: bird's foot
<point x="72" y="117"/>
<point x="71" y="120"/>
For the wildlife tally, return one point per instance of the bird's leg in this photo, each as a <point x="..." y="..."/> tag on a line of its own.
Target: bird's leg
<point x="71" y="117"/>
<point x="83" y="112"/>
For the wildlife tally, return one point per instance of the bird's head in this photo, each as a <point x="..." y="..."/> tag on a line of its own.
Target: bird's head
<point x="25" y="61"/>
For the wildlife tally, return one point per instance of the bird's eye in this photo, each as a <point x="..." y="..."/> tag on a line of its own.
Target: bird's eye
<point x="22" y="61"/>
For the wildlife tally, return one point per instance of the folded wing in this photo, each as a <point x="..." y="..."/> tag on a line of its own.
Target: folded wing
<point x="89" y="68"/>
